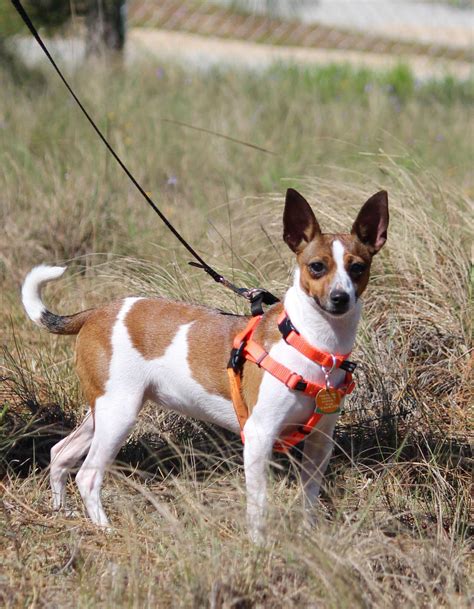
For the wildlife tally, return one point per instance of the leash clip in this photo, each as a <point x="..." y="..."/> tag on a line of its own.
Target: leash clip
<point x="258" y="297"/>
<point x="327" y="370"/>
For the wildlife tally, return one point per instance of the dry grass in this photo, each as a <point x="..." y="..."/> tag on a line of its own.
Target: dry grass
<point x="394" y="516"/>
<point x="396" y="535"/>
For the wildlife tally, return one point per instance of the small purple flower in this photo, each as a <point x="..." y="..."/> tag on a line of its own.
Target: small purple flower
<point x="368" y="87"/>
<point x="172" y="181"/>
<point x="160" y="73"/>
<point x="439" y="138"/>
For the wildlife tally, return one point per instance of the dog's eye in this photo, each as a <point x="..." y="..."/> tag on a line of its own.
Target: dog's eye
<point x="317" y="269"/>
<point x="357" y="269"/>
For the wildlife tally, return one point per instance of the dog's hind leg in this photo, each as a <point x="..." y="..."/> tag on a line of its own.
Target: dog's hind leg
<point x="115" y="415"/>
<point x="64" y="456"/>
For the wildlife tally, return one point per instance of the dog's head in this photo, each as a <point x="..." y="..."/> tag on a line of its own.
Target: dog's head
<point x="334" y="268"/>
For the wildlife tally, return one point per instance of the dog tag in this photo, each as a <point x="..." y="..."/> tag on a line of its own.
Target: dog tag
<point x="328" y="401"/>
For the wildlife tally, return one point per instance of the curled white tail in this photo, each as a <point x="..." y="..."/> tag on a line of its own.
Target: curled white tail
<point x="31" y="290"/>
<point x="31" y="297"/>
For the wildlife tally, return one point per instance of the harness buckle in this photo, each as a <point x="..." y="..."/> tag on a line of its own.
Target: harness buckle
<point x="286" y="327"/>
<point x="258" y="297"/>
<point x="295" y="381"/>
<point x="348" y="366"/>
<point x="237" y="358"/>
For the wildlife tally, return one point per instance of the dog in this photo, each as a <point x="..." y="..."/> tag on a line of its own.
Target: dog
<point x="176" y="355"/>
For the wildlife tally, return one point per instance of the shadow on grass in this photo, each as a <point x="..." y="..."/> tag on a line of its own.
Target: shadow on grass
<point x="382" y="450"/>
<point x="36" y="416"/>
<point x="29" y="429"/>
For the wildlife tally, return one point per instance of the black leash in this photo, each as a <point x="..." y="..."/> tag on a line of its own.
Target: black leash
<point x="257" y="296"/>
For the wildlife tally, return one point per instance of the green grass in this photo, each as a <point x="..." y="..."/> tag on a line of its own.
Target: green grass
<point x="393" y="525"/>
<point x="310" y="118"/>
<point x="398" y="85"/>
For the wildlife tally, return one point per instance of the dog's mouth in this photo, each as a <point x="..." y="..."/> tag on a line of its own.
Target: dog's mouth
<point x="333" y="310"/>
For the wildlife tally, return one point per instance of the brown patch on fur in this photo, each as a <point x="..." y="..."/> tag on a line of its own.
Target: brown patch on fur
<point x="210" y="343"/>
<point x="318" y="250"/>
<point x="153" y="323"/>
<point x="356" y="251"/>
<point x="94" y="351"/>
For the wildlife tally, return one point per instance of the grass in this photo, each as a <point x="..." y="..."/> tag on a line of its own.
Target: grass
<point x="394" y="515"/>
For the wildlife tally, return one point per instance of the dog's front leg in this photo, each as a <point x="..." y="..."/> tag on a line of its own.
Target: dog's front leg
<point x="259" y="441"/>
<point x="317" y="452"/>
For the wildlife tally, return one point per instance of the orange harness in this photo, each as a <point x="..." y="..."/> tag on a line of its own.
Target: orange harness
<point x="327" y="398"/>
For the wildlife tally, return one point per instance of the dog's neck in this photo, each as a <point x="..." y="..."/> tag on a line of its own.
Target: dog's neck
<point x="330" y="333"/>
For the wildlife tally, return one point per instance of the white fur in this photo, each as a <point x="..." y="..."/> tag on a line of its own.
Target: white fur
<point x="132" y="379"/>
<point x="342" y="281"/>
<point x="330" y="333"/>
<point x="168" y="381"/>
<point x="278" y="407"/>
<point x="64" y="456"/>
<point x="31" y="290"/>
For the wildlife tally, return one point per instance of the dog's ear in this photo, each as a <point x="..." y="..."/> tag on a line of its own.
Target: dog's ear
<point x="299" y="223"/>
<point x="371" y="223"/>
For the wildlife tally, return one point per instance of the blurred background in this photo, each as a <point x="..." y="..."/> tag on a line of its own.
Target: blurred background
<point x="432" y="36"/>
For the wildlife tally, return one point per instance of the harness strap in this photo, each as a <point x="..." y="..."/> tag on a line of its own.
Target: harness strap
<point x="256" y="353"/>
<point x="288" y="441"/>
<point x="283" y="445"/>
<point x="245" y="348"/>
<point x="294" y="338"/>
<point x="240" y="407"/>
<point x="247" y="332"/>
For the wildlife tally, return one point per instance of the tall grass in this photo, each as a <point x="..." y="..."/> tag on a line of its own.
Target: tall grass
<point x="394" y="516"/>
<point x="396" y="535"/>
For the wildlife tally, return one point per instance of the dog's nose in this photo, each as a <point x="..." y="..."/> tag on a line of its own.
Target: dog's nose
<point x="339" y="298"/>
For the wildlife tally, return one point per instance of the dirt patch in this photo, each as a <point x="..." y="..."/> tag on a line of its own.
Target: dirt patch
<point x="207" y="51"/>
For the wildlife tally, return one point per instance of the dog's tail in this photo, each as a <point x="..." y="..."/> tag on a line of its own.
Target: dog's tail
<point x="31" y="298"/>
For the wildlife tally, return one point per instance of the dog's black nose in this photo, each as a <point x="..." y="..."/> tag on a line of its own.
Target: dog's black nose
<point x="339" y="298"/>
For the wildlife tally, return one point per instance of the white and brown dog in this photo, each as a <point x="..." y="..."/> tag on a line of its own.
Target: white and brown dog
<point x="176" y="354"/>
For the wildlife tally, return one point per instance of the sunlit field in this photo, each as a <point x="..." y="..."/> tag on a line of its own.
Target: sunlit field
<point x="394" y="516"/>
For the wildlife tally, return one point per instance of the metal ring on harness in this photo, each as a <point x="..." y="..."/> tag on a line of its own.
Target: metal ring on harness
<point x="327" y="370"/>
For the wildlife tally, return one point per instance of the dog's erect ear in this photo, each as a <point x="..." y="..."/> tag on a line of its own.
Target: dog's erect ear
<point x="299" y="223"/>
<point x="371" y="224"/>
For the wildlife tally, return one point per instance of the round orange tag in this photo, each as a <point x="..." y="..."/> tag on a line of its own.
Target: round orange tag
<point x="328" y="401"/>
